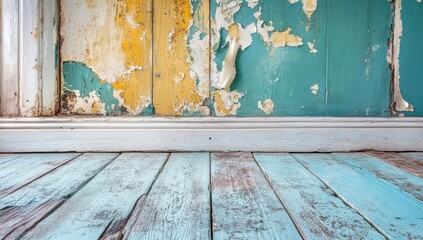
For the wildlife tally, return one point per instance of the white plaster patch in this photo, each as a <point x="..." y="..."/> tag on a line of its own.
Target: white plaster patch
<point x="94" y="30"/>
<point x="314" y="89"/>
<point x="88" y="105"/>
<point x="267" y="106"/>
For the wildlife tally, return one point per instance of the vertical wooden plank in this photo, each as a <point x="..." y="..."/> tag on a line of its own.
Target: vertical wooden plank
<point x="404" y="161"/>
<point x="358" y="74"/>
<point x="178" y="205"/>
<point x="181" y="57"/>
<point x="394" y="213"/>
<point x="317" y="210"/>
<point x="30" y="67"/>
<point x="397" y="177"/>
<point x="9" y="95"/>
<point x="23" y="209"/>
<point x="244" y="204"/>
<point x="28" y="167"/>
<point x="105" y="202"/>
<point x="411" y="56"/>
<point x="271" y="78"/>
<point x="106" y="57"/>
<point x="49" y="45"/>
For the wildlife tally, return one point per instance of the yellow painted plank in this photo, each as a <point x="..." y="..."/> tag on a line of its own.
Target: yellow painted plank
<point x="181" y="57"/>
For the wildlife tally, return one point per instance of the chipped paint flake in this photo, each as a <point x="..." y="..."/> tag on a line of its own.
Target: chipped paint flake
<point x="283" y="39"/>
<point x="228" y="73"/>
<point x="263" y="29"/>
<point x="226" y="103"/>
<point x="309" y="6"/>
<point x="399" y="104"/>
<point x="314" y="89"/>
<point x="267" y="106"/>
<point x="242" y="35"/>
<point x="252" y="3"/>
<point x="311" y="47"/>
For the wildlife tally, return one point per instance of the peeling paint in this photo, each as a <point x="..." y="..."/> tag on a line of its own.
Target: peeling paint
<point x="267" y="106"/>
<point x="226" y="103"/>
<point x="309" y="6"/>
<point x="252" y="3"/>
<point x="113" y="38"/>
<point x="262" y="28"/>
<point x="283" y="39"/>
<point x="228" y="73"/>
<point x="314" y="89"/>
<point x="399" y="104"/>
<point x="311" y="47"/>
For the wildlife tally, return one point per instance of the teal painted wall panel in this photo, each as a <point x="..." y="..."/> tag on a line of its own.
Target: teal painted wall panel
<point x="350" y="65"/>
<point x="358" y="72"/>
<point x="411" y="56"/>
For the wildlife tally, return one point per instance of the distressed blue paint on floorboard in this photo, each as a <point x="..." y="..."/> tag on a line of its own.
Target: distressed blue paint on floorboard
<point x="405" y="181"/>
<point x="414" y="155"/>
<point x="218" y="196"/>
<point x="105" y="202"/>
<point x="178" y="205"/>
<point x="315" y="207"/>
<point x="398" y="215"/>
<point x="29" y="167"/>
<point x="24" y="208"/>
<point x="244" y="204"/>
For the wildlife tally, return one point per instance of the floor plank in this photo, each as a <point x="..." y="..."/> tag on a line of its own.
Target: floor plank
<point x="4" y="158"/>
<point x="315" y="207"/>
<point x="105" y="202"/>
<point x="244" y="205"/>
<point x="400" y="160"/>
<point x="178" y="205"/>
<point x="28" y="167"/>
<point x="418" y="156"/>
<point x="22" y="209"/>
<point x="394" y="213"/>
<point x="404" y="180"/>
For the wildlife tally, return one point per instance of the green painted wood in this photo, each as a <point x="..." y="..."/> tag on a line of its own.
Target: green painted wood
<point x="315" y="207"/>
<point x="103" y="203"/>
<point x="28" y="167"/>
<point x="244" y="205"/>
<point x="24" y="208"/>
<point x="395" y="176"/>
<point x="418" y="156"/>
<point x="178" y="205"/>
<point x="396" y="214"/>
<point x="358" y="74"/>
<point x="411" y="56"/>
<point x="284" y="74"/>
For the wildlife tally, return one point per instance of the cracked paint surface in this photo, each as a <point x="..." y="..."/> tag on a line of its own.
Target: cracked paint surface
<point x="113" y="39"/>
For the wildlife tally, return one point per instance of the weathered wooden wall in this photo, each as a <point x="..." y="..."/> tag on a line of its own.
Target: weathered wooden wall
<point x="165" y="58"/>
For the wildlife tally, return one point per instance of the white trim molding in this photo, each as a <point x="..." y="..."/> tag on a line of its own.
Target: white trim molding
<point x="302" y="134"/>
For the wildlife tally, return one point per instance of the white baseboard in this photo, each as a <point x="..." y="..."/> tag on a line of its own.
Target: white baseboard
<point x="300" y="134"/>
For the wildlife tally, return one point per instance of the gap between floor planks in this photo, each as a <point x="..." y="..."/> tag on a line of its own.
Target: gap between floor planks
<point x="217" y="219"/>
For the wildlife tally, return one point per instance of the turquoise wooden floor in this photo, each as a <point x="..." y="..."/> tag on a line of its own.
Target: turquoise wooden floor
<point x="211" y="196"/>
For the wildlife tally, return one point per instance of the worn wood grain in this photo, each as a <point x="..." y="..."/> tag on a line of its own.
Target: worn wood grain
<point x="24" y="208"/>
<point x="405" y="181"/>
<point x="418" y="156"/>
<point x="244" y="205"/>
<point x="315" y="207"/>
<point x="105" y="202"/>
<point x="395" y="214"/>
<point x="28" y="167"/>
<point x="9" y="89"/>
<point x="405" y="161"/>
<point x="181" y="79"/>
<point x="178" y="205"/>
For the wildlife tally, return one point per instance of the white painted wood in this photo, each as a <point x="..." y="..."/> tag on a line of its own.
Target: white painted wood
<point x="302" y="134"/>
<point x="29" y="58"/>
<point x="9" y="84"/>
<point x="49" y="45"/>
